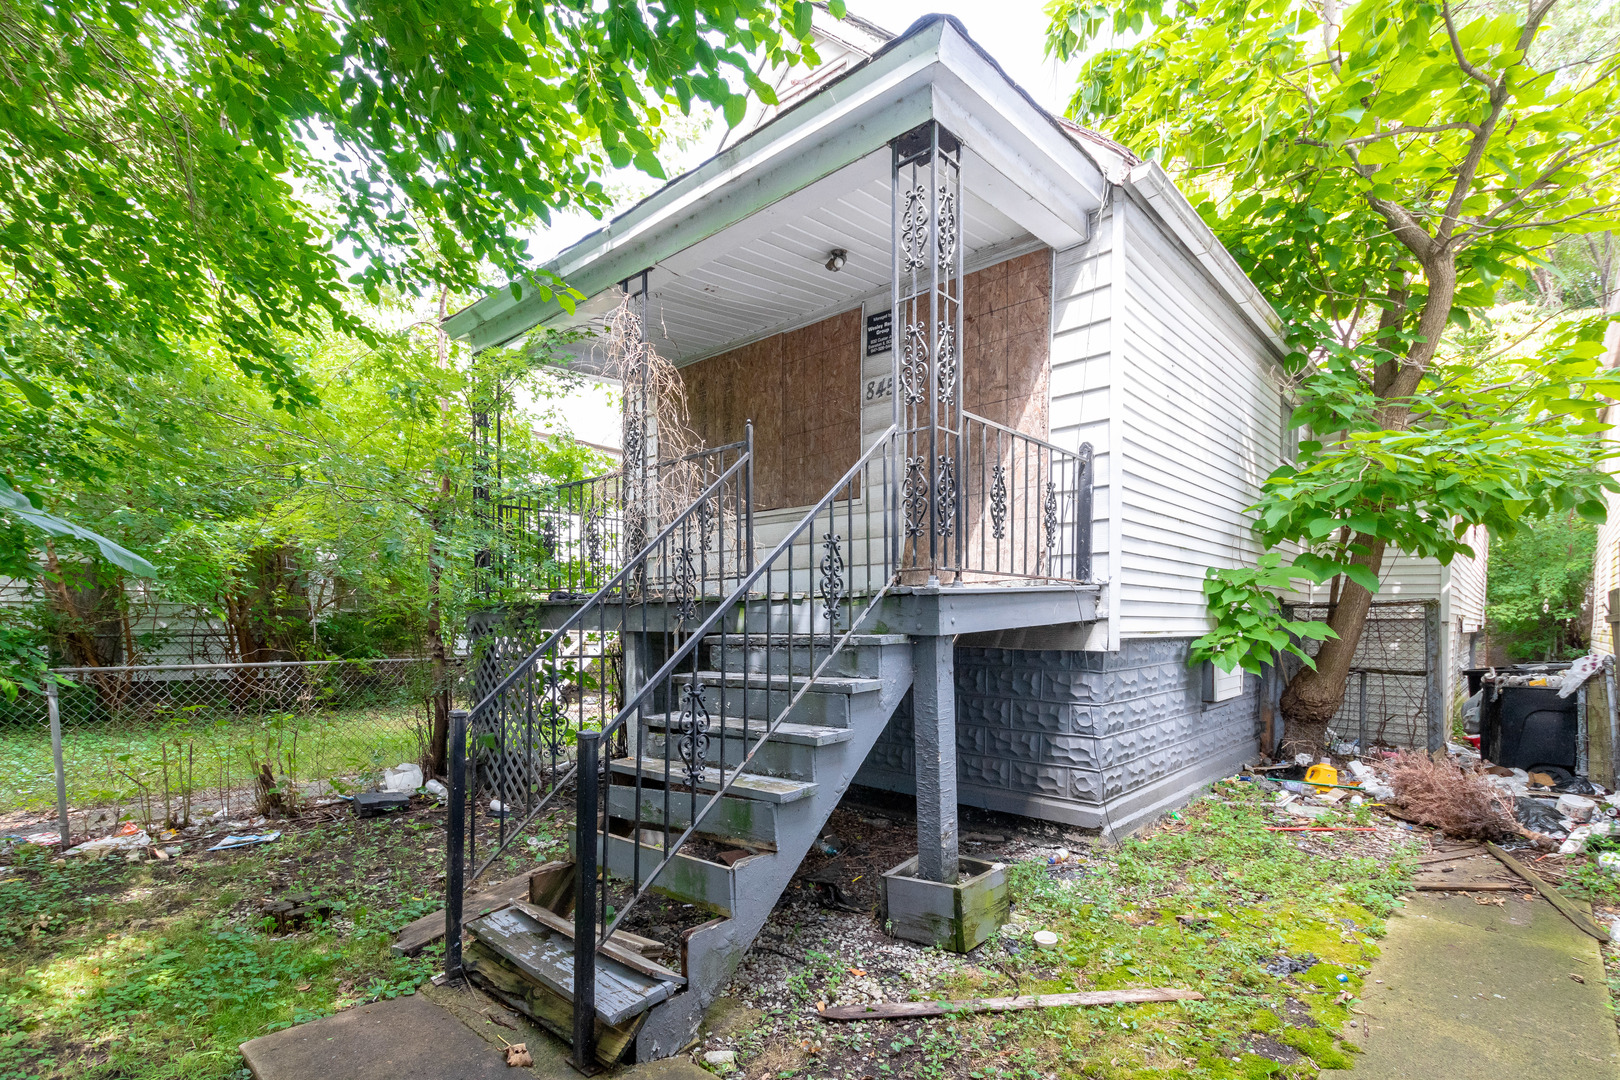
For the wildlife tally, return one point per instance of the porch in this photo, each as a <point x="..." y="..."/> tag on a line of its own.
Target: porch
<point x="840" y="457"/>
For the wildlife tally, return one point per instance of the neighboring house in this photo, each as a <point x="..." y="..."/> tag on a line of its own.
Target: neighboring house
<point x="1008" y="399"/>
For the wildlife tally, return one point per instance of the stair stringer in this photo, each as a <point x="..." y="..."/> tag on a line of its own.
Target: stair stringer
<point x="714" y="949"/>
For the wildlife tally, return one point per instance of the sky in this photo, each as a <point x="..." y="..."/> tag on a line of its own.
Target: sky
<point x="1012" y="31"/>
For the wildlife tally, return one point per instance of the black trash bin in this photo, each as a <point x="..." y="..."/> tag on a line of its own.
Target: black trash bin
<point x="1527" y="727"/>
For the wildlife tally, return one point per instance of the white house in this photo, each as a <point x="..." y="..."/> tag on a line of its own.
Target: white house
<point x="987" y="398"/>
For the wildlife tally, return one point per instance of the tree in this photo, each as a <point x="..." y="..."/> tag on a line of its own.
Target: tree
<point x="250" y="171"/>
<point x="1379" y="171"/>
<point x="1539" y="597"/>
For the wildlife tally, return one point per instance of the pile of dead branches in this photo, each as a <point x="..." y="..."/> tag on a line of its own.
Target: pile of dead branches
<point x="1460" y="802"/>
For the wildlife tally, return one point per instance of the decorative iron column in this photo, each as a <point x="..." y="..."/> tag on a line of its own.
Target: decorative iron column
<point x="639" y="496"/>
<point x="927" y="306"/>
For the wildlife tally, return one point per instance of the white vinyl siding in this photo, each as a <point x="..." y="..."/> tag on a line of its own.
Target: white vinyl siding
<point x="1082" y="379"/>
<point x="1201" y="428"/>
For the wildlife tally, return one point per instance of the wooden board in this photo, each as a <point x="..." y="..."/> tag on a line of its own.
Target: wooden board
<point x="418" y="935"/>
<point x="630" y="958"/>
<point x="549" y="1010"/>
<point x="547" y="959"/>
<point x="890" y="1010"/>
<point x="1552" y="895"/>
<point x="1469" y="886"/>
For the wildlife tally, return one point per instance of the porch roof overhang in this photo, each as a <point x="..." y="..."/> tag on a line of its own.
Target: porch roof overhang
<point x="1026" y="181"/>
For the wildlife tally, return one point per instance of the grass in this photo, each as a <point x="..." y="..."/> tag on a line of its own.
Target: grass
<point x="1247" y="896"/>
<point x="158" y="970"/>
<point x="132" y="766"/>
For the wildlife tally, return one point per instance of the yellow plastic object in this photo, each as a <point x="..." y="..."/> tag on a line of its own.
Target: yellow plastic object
<point x="1322" y="774"/>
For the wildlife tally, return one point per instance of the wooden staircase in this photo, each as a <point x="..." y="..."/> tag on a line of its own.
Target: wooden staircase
<point x="767" y="819"/>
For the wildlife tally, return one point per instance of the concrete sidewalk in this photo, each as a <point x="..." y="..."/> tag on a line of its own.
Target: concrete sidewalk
<point x="439" y="1034"/>
<point x="1483" y="990"/>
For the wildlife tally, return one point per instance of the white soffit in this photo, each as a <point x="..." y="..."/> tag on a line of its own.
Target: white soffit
<point x="768" y="273"/>
<point x="1022" y="176"/>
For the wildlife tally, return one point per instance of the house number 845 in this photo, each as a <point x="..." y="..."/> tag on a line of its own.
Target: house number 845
<point x="877" y="389"/>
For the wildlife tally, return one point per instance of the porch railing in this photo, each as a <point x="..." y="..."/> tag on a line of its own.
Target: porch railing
<point x="523" y="730"/>
<point x="692" y="728"/>
<point x="1024" y="506"/>
<point x="567" y="540"/>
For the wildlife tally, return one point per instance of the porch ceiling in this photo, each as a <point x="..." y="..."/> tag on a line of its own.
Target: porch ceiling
<point x="768" y="273"/>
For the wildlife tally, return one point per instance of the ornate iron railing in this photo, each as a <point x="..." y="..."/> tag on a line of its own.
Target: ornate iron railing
<point x="1024" y="506"/>
<point x="567" y="540"/>
<point x="522" y="731"/>
<point x="797" y="609"/>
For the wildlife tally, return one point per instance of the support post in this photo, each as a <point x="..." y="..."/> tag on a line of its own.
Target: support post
<point x="455" y="836"/>
<point x="55" y="708"/>
<point x="1436" y="680"/>
<point x="585" y="903"/>
<point x="1361" y="730"/>
<point x="934" y="734"/>
<point x="1614" y="721"/>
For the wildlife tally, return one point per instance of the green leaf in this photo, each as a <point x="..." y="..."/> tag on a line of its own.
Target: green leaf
<point x="15" y="503"/>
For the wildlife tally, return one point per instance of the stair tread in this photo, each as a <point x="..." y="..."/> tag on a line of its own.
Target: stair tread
<point x="548" y="958"/>
<point x="756" y="641"/>
<point x="824" y="684"/>
<point x="803" y="734"/>
<point x="756" y="786"/>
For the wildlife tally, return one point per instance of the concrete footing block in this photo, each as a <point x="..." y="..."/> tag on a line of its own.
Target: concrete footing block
<point x="958" y="916"/>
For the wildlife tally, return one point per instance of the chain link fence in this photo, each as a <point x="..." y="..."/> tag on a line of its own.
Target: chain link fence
<point x="1394" y="696"/>
<point x="160" y="742"/>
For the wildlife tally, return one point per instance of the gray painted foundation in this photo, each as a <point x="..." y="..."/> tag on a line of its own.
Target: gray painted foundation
<point x="1099" y="740"/>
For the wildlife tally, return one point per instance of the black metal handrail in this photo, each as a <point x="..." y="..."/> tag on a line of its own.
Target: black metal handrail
<point x="745" y="619"/>
<point x="568" y="538"/>
<point x="569" y="673"/>
<point x="1024" y="505"/>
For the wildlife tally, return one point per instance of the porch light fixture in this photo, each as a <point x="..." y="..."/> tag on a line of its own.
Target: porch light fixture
<point x="835" y="262"/>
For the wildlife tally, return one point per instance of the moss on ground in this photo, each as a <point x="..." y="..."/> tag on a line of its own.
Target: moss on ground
<point x="1203" y="902"/>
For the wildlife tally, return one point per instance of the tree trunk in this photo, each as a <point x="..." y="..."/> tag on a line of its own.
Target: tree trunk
<point x="1313" y="697"/>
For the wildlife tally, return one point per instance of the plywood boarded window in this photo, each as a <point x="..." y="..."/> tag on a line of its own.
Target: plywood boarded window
<point x="1007" y="323"/>
<point x="801" y="390"/>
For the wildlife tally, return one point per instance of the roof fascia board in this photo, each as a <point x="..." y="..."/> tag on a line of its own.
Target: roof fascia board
<point x="1151" y="184"/>
<point x="1032" y="138"/>
<point x="835" y="127"/>
<point x="1036" y="202"/>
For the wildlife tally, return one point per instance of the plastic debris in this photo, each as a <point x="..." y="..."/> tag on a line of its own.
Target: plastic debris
<point x="1537" y="816"/>
<point x="437" y="790"/>
<point x="1046" y="939"/>
<point x="1579" y="835"/>
<point x="1578" y="672"/>
<point x="1577" y="807"/>
<point x="404" y="778"/>
<point x="246" y="841"/>
<point x="125" y="842"/>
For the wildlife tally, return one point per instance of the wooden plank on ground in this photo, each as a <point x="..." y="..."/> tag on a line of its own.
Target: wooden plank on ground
<point x="547" y="958"/>
<point x="1469" y="886"/>
<point x="631" y="958"/>
<point x="418" y="935"/>
<point x="1552" y="895"/>
<point x="891" y="1010"/>
<point x="549" y="1010"/>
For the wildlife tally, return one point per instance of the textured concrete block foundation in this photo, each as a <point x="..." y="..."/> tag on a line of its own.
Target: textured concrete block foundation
<point x="1099" y="740"/>
<point x="958" y="917"/>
